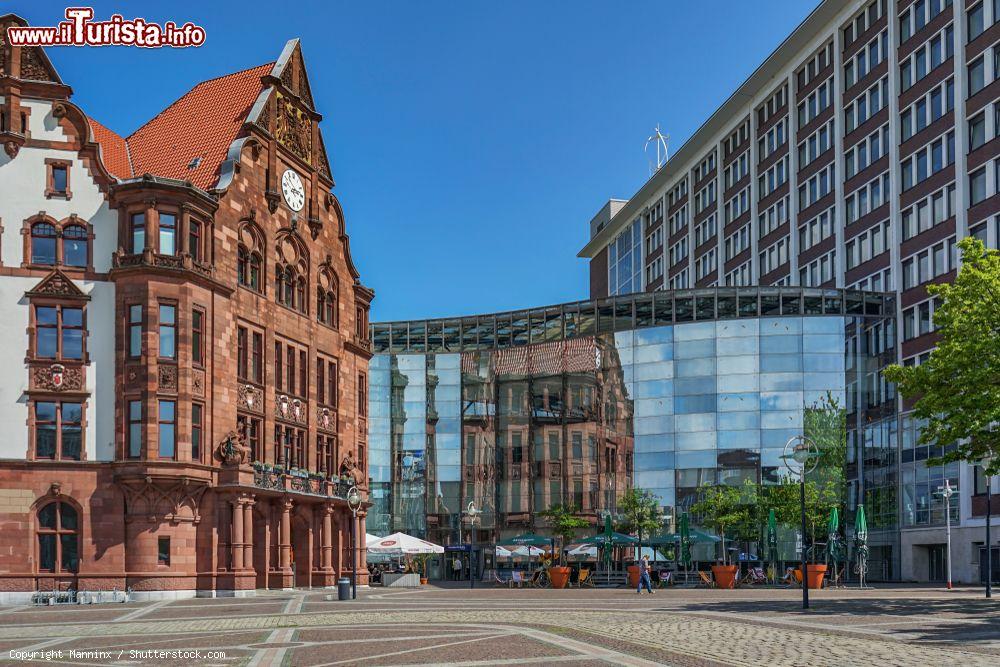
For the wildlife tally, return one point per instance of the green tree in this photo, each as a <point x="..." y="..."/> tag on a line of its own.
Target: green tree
<point x="957" y="390"/>
<point x="565" y="523"/>
<point x="640" y="513"/>
<point x="729" y="510"/>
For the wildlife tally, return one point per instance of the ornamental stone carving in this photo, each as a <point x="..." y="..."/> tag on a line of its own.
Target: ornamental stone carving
<point x="233" y="449"/>
<point x="326" y="419"/>
<point x="167" y="377"/>
<point x="292" y="128"/>
<point x="251" y="398"/>
<point x="198" y="383"/>
<point x="57" y="378"/>
<point x="290" y="409"/>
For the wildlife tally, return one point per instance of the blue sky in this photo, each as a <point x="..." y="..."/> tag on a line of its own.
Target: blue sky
<point x="471" y="142"/>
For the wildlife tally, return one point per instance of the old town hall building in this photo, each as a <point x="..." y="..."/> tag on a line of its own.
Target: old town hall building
<point x="185" y="341"/>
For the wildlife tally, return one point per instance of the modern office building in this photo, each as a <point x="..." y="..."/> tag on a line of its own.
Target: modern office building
<point x="575" y="403"/>
<point x="857" y="155"/>
<point x="184" y="341"/>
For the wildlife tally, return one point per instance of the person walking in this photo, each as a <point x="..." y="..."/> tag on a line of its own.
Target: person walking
<point x="644" y="575"/>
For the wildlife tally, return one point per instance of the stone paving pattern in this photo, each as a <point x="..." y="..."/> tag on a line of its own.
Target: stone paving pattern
<point x="456" y="626"/>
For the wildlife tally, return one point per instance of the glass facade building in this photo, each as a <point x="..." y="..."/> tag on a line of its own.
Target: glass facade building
<point x="670" y="391"/>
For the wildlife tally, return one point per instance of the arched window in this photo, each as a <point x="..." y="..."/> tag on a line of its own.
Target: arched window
<point x="291" y="274"/>
<point x="249" y="257"/>
<point x="74" y="245"/>
<point x="300" y="294"/>
<point x="326" y="298"/>
<point x="43" y="243"/>
<point x="58" y="538"/>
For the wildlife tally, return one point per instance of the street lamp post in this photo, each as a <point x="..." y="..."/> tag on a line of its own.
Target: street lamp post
<point x="947" y="492"/>
<point x="354" y="502"/>
<point x="989" y="515"/>
<point x="473" y="515"/>
<point x="803" y="452"/>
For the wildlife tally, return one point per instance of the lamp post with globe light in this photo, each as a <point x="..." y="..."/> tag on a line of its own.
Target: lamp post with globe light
<point x="354" y="502"/>
<point x="473" y="513"/>
<point x="985" y="463"/>
<point x="947" y="492"/>
<point x="800" y="457"/>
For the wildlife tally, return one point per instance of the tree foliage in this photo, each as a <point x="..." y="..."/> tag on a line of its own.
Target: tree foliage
<point x="565" y="522"/>
<point x="730" y="511"/>
<point x="957" y="390"/>
<point x="640" y="512"/>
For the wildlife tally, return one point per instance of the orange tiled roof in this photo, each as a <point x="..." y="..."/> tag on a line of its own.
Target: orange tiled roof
<point x="114" y="151"/>
<point x="202" y="123"/>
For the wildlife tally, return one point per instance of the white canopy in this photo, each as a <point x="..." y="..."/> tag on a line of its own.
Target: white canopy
<point x="401" y="543"/>
<point x="503" y="553"/>
<point x="370" y="539"/>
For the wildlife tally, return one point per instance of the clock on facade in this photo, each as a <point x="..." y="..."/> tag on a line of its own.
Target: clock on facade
<point x="293" y="190"/>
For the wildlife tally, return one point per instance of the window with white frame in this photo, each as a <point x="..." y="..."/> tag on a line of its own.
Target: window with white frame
<point x="816" y="102"/>
<point x="706" y="167"/>
<point x="741" y="276"/>
<point x="982" y="231"/>
<point x="930" y="263"/>
<point x="625" y="260"/>
<point x="774" y="256"/>
<point x="867" y="104"/>
<point x="654" y="240"/>
<point x="928" y="160"/>
<point x="816" y="229"/>
<point x="678" y="220"/>
<point x="880" y="281"/>
<point x="818" y="271"/>
<point x="772" y="140"/>
<point x="705" y="230"/>
<point x="704" y="198"/>
<point x="939" y="101"/>
<point x="868" y="17"/>
<point x="737" y="170"/>
<point x="867" y="152"/>
<point x="680" y="281"/>
<point x="816" y="64"/>
<point x="705" y="264"/>
<point x="857" y="66"/>
<point x="926" y="57"/>
<point x="981" y="16"/>
<point x="654" y="270"/>
<point x="678" y="251"/>
<point x="928" y="212"/>
<point x="816" y="144"/>
<point x="868" y="244"/>
<point x="773" y="105"/>
<point x="919" y="14"/>
<point x="737" y="242"/>
<point x="772" y="179"/>
<point x="775" y="216"/>
<point x="867" y="198"/>
<point x="918" y="320"/>
<point x="677" y="193"/>
<point x="738" y="205"/>
<point x="816" y="187"/>
<point x="736" y="139"/>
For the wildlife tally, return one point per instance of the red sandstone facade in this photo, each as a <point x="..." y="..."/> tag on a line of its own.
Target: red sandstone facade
<point x="240" y="352"/>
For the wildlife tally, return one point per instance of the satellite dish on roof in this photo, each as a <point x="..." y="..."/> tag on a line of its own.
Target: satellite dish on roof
<point x="660" y="140"/>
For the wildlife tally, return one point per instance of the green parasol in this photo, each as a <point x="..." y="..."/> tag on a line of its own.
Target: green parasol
<point x="685" y="531"/>
<point x="612" y="539"/>
<point x="695" y="536"/>
<point x="772" y="536"/>
<point x="834" y="548"/>
<point x="861" y="545"/>
<point x="860" y="526"/>
<point x="528" y="539"/>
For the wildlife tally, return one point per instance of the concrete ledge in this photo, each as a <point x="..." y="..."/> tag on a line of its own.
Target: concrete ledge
<point x="154" y="596"/>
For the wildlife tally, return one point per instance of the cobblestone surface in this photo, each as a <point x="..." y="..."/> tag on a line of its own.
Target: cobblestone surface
<point x="441" y="626"/>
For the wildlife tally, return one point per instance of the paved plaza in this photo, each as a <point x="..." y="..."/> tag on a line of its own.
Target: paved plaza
<point x="456" y="626"/>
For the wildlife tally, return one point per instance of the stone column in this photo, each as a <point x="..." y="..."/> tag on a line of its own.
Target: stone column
<point x="248" y="533"/>
<point x="327" y="538"/>
<point x="237" y="534"/>
<point x="338" y="544"/>
<point x="285" y="537"/>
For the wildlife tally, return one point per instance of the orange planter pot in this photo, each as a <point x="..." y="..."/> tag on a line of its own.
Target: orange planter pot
<point x="725" y="575"/>
<point x="559" y="576"/>
<point x="423" y="581"/>
<point x="815" y="574"/>
<point x="633" y="576"/>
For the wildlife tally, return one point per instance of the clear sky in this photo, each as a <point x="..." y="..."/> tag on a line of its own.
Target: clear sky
<point x="471" y="142"/>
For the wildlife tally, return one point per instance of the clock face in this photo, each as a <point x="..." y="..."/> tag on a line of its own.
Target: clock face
<point x="293" y="190"/>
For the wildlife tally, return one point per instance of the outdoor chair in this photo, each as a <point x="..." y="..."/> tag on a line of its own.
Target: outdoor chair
<point x="757" y="576"/>
<point x="536" y="579"/>
<point x="500" y="580"/>
<point x="705" y="580"/>
<point x="665" y="578"/>
<point x="516" y="579"/>
<point x="586" y="579"/>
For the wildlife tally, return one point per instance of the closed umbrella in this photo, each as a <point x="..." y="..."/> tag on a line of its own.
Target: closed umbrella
<point x="861" y="544"/>
<point x="685" y="531"/>
<point x="772" y="542"/>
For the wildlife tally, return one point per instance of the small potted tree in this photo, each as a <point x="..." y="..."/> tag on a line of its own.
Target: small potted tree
<point x="421" y="562"/>
<point x="641" y="514"/>
<point x="565" y="523"/>
<point x="723" y="508"/>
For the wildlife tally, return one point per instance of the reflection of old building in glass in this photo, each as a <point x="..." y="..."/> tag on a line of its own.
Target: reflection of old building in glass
<point x="668" y="391"/>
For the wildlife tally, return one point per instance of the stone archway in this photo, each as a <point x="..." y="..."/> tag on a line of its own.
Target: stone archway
<point x="265" y="553"/>
<point x="302" y="548"/>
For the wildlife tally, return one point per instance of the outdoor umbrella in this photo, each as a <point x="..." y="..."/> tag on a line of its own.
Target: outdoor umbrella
<point x="528" y="539"/>
<point x="772" y="542"/>
<point x="861" y="544"/>
<point x="401" y="543"/>
<point x="834" y="546"/>
<point x="685" y="531"/>
<point x="371" y="539"/>
<point x="613" y="539"/>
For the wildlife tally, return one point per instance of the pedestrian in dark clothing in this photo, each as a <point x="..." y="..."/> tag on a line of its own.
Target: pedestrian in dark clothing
<point x="644" y="576"/>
